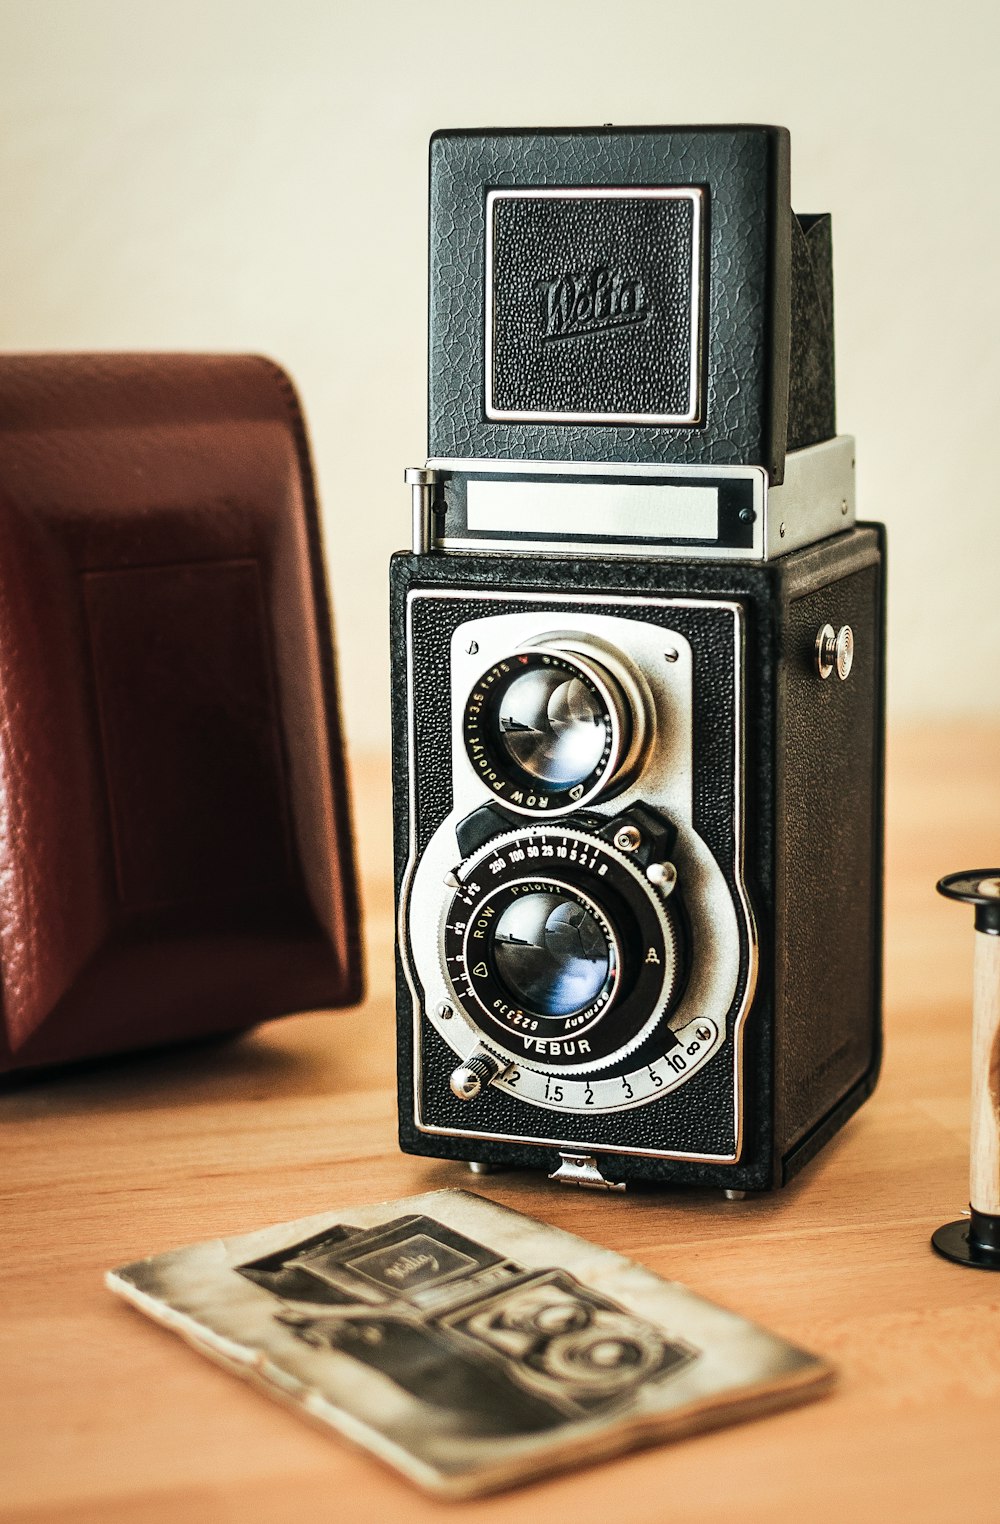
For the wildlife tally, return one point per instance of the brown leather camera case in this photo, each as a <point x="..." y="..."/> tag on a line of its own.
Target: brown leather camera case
<point x="175" y="850"/>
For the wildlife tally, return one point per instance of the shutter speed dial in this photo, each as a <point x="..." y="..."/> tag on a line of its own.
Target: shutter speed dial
<point x="565" y="951"/>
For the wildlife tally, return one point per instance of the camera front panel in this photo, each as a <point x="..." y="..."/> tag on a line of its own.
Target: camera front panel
<point x="573" y="913"/>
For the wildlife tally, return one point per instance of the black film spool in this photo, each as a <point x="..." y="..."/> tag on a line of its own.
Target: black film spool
<point x="973" y="1240"/>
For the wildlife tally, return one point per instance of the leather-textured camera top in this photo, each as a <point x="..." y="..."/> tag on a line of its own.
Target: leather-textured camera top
<point x="641" y="294"/>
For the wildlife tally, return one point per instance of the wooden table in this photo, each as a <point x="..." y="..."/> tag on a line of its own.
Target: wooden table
<point x="105" y="1417"/>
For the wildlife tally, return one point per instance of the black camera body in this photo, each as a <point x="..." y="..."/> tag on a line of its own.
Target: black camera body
<point x="639" y="673"/>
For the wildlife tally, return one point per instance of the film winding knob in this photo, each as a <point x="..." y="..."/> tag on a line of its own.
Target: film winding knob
<point x="976" y="1240"/>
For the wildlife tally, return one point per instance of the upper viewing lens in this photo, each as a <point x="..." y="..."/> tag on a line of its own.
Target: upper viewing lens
<point x="553" y="727"/>
<point x="548" y="728"/>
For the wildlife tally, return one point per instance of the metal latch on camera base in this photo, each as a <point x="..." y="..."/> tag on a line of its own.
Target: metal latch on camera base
<point x="583" y="1169"/>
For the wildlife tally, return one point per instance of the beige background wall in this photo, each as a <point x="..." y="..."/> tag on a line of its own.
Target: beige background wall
<point x="239" y="174"/>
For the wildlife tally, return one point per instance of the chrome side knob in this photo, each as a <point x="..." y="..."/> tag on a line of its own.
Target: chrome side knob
<point x="835" y="651"/>
<point x="479" y="1070"/>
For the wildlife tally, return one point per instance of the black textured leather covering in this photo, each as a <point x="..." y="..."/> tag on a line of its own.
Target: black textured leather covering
<point x="813" y="847"/>
<point x="828" y="854"/>
<point x="811" y="391"/>
<point x="595" y="305"/>
<point x="744" y="362"/>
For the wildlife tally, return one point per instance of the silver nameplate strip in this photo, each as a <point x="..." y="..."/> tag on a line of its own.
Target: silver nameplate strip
<point x="517" y="506"/>
<point x="633" y="510"/>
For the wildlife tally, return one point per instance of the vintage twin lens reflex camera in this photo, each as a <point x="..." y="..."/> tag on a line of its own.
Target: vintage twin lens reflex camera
<point x="638" y="655"/>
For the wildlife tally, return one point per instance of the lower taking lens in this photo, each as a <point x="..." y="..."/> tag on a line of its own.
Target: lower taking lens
<point x="551" y="954"/>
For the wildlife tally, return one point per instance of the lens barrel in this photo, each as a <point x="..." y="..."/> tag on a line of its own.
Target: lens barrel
<point x="553" y="726"/>
<point x="559" y="949"/>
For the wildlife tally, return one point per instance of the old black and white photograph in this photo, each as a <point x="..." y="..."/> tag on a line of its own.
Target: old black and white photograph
<point x="464" y="1343"/>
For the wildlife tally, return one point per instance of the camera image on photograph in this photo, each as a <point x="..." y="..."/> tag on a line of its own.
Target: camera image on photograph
<point x="639" y="697"/>
<point x="458" y="1325"/>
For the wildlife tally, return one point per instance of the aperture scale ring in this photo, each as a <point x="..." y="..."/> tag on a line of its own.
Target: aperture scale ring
<point x="556" y="852"/>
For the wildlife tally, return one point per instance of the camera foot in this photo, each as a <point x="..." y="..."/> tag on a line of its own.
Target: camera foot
<point x="735" y="1195"/>
<point x="478" y="1167"/>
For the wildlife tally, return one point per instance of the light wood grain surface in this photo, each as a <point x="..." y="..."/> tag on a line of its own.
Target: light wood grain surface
<point x="105" y="1418"/>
